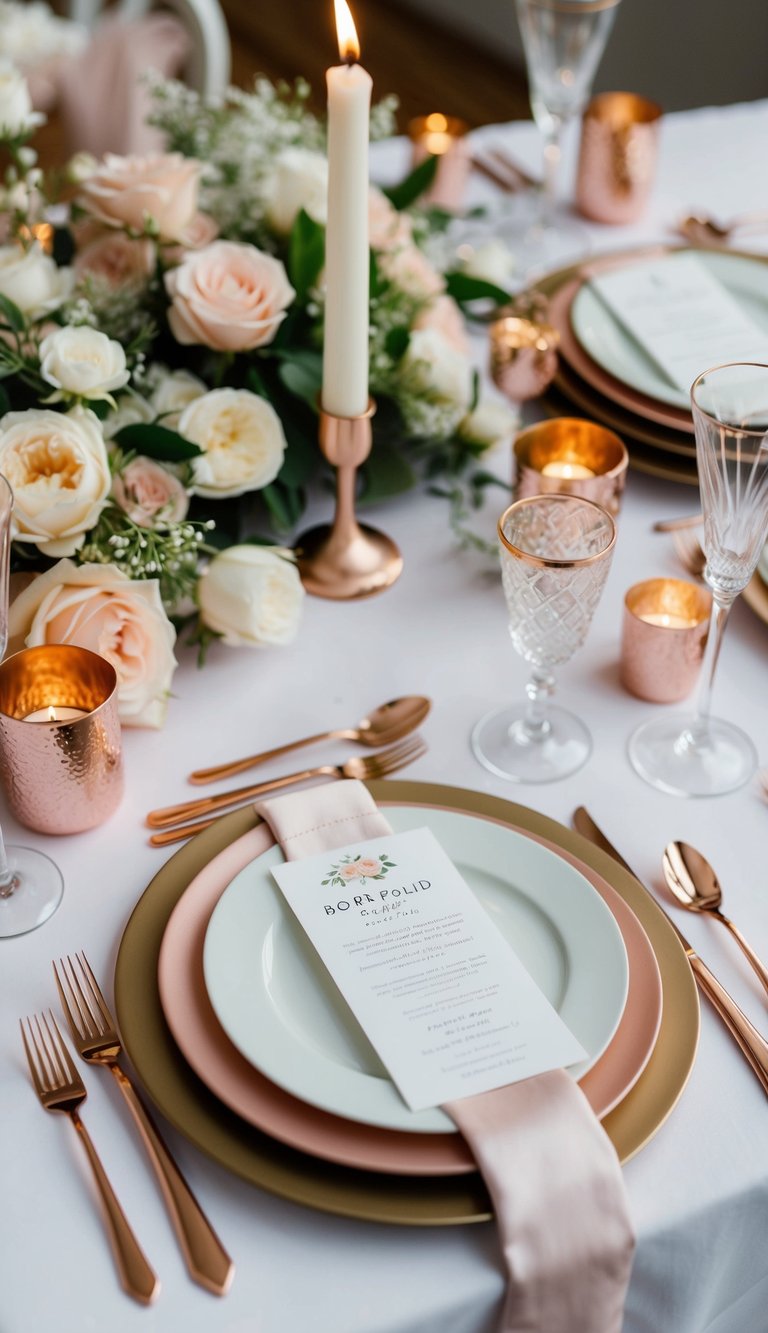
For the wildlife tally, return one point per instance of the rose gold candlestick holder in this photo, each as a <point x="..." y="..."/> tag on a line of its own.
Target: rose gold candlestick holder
<point x="344" y="560"/>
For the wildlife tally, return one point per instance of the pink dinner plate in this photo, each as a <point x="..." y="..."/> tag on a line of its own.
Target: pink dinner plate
<point x="262" y="1103"/>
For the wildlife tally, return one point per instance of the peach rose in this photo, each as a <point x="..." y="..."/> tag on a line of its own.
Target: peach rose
<point x="160" y="190"/>
<point x="229" y="297"/>
<point x="368" y="866"/>
<point x="410" y="270"/>
<point x="445" y="317"/>
<point x="201" y="231"/>
<point x="99" y="607"/>
<point x="57" y="466"/>
<point x="116" y="258"/>
<point x="149" y="493"/>
<point x="350" y="871"/>
<point x="387" y="229"/>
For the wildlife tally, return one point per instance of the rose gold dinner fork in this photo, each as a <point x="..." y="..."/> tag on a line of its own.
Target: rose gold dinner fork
<point x="96" y="1040"/>
<point x="365" y="768"/>
<point x="60" y="1088"/>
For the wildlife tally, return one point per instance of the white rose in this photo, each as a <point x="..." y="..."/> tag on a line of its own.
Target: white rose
<point x="492" y="422"/>
<point x="82" y="362"/>
<point x="16" y="114"/>
<point x="99" y="607"/>
<point x="32" y="281"/>
<point x="299" y="180"/>
<point x="242" y="439"/>
<point x="58" y="470"/>
<point x="492" y="261"/>
<point x="251" y="595"/>
<point x="132" y="410"/>
<point x="434" y="367"/>
<point x="410" y="270"/>
<point x="175" y="392"/>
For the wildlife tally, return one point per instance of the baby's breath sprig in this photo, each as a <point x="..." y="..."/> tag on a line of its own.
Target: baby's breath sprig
<point x="169" y="552"/>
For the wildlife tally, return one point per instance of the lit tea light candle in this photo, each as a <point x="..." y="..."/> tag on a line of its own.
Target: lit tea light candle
<point x="567" y="471"/>
<point x="55" y="713"/>
<point x="668" y="621"/>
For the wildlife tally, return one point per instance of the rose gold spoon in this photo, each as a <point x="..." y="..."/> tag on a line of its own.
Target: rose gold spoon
<point x="692" y="881"/>
<point x="703" y="230"/>
<point x="388" y="723"/>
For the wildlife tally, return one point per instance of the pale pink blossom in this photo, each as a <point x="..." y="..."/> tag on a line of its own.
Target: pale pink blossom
<point x="229" y="297"/>
<point x="159" y="190"/>
<point x="148" y="492"/>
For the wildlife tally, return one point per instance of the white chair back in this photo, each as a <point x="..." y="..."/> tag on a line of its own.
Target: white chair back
<point x="208" y="69"/>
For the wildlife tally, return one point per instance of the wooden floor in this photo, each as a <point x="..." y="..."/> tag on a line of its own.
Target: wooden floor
<point x="429" y="67"/>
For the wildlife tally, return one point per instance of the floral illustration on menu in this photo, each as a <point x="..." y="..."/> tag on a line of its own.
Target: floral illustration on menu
<point x="360" y="868"/>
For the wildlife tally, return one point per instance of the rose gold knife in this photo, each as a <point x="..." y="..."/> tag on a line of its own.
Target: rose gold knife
<point x="754" y="1046"/>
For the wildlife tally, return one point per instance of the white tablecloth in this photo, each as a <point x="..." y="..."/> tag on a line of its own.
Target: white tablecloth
<point x="699" y="1190"/>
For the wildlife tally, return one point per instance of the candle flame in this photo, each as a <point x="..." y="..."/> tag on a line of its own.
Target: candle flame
<point x="349" y="46"/>
<point x="52" y="714"/>
<point x="436" y="123"/>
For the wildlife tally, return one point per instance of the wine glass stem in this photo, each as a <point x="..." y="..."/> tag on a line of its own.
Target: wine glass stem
<point x="8" y="880"/>
<point x="536" y="723"/>
<point x="551" y="174"/>
<point x="720" y="612"/>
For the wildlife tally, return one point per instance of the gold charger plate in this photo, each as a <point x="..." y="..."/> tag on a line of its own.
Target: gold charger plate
<point x="412" y="1201"/>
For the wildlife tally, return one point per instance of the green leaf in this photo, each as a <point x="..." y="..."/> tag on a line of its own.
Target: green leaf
<point x="256" y="384"/>
<point x="386" y="472"/>
<point x="374" y="279"/>
<point x="302" y="375"/>
<point x="306" y="254"/>
<point x="5" y="401"/>
<point x="283" y="504"/>
<point x="396" y="342"/>
<point x="463" y="287"/>
<point x="414" y="185"/>
<point x="157" y="442"/>
<point x="12" y="314"/>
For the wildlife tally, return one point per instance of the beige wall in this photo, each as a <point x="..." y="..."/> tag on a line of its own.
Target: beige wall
<point x="683" y="53"/>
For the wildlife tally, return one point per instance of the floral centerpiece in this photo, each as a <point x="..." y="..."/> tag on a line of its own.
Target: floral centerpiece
<point x="161" y="324"/>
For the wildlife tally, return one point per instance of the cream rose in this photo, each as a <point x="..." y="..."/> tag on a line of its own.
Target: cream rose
<point x="160" y="190"/>
<point x="82" y="362"/>
<point x="299" y="180"/>
<point x="493" y="261"/>
<point x="242" y="439"/>
<point x="149" y="493"/>
<point x="57" y="467"/>
<point x="175" y="391"/>
<point x="117" y="259"/>
<point x="98" y="607"/>
<point x="229" y="297"/>
<point x="445" y="317"/>
<point x="410" y="270"/>
<point x="32" y="281"/>
<point x="434" y="367"/>
<point x="493" y="422"/>
<point x="16" y="114"/>
<point x="251" y="595"/>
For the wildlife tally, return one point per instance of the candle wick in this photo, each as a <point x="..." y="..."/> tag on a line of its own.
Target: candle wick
<point x="350" y="59"/>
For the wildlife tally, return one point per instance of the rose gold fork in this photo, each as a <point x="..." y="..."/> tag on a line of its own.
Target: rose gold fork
<point x="60" y="1088"/>
<point x="363" y="767"/>
<point x="96" y="1040"/>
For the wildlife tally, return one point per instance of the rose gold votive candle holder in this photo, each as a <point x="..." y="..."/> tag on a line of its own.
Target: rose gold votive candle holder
<point x="617" y="157"/>
<point x="664" y="633"/>
<point x="523" y="355"/>
<point x="60" y="750"/>
<point x="570" y="456"/>
<point x="443" y="137"/>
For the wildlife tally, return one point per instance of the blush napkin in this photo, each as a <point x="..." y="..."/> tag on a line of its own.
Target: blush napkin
<point x="551" y="1170"/>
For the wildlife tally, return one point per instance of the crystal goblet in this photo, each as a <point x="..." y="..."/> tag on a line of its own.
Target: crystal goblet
<point x="30" y="882"/>
<point x="702" y="755"/>
<point x="555" y="555"/>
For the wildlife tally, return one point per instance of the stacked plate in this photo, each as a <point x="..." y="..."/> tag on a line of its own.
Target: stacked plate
<point x="244" y="1043"/>
<point x="606" y="375"/>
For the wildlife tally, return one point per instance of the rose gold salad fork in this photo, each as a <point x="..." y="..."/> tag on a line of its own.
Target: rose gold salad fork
<point x="60" y="1088"/>
<point x="96" y="1040"/>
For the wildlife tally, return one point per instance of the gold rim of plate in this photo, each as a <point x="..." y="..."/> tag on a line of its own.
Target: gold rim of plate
<point x="255" y="1157"/>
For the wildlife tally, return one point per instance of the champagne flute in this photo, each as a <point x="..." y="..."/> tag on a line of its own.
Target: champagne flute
<point x="31" y="885"/>
<point x="703" y="755"/>
<point x="555" y="555"/>
<point x="563" y="41"/>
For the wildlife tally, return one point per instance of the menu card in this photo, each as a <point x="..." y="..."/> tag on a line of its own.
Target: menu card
<point x="681" y="316"/>
<point x="441" y="995"/>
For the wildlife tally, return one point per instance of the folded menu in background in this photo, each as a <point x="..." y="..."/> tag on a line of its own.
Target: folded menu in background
<point x="442" y="996"/>
<point x="681" y="316"/>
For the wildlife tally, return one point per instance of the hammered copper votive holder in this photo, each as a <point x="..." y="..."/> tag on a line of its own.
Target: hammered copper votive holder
<point x="569" y="456"/>
<point x="443" y="137"/>
<point x="664" y="633"/>
<point x="60" y="754"/>
<point x="523" y="355"/>
<point x="617" y="157"/>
